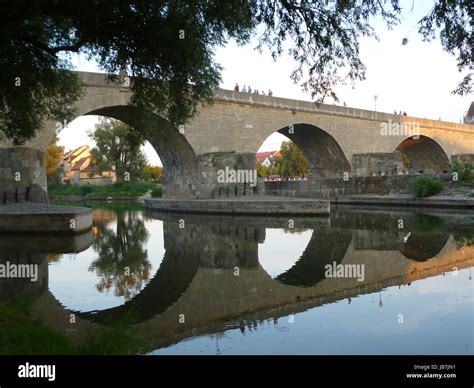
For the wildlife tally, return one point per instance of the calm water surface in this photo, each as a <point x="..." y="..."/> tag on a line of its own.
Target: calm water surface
<point x="238" y="285"/>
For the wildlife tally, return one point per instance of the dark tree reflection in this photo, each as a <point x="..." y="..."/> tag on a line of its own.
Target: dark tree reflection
<point x="123" y="263"/>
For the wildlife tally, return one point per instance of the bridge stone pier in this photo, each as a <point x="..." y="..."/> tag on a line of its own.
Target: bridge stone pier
<point x="337" y="141"/>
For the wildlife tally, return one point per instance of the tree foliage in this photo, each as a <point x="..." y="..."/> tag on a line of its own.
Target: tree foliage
<point x="265" y="171"/>
<point x="453" y="21"/>
<point x="153" y="173"/>
<point x="291" y="162"/>
<point x="167" y="47"/>
<point x="122" y="264"/>
<point x="54" y="153"/>
<point x="118" y="146"/>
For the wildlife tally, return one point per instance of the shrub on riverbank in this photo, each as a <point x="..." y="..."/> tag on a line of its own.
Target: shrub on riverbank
<point x="465" y="172"/>
<point x="157" y="192"/>
<point x="120" y="189"/>
<point x="426" y="186"/>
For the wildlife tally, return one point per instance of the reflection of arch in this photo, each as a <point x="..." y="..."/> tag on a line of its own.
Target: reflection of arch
<point x="428" y="237"/>
<point x="421" y="247"/>
<point x="278" y="252"/>
<point x="325" y="247"/>
<point x="170" y="281"/>
<point x="323" y="152"/>
<point x="424" y="155"/>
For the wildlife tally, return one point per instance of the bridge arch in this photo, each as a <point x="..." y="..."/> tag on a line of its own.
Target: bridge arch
<point x="177" y="155"/>
<point x="321" y="149"/>
<point x="424" y="155"/>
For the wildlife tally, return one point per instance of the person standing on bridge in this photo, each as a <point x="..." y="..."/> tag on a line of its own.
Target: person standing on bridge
<point x="236" y="88"/>
<point x="270" y="93"/>
<point x="244" y="89"/>
<point x="249" y="90"/>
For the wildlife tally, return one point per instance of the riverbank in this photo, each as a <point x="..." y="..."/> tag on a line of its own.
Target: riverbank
<point x="23" y="334"/>
<point x="407" y="200"/>
<point x="69" y="218"/>
<point x="81" y="199"/>
<point x="117" y="192"/>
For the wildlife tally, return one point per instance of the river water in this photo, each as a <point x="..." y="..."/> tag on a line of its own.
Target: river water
<point x="359" y="282"/>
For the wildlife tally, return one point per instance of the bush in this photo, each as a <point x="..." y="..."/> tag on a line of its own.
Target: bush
<point x="86" y="189"/>
<point x="464" y="170"/>
<point x="426" y="186"/>
<point x="63" y="190"/>
<point x="157" y="192"/>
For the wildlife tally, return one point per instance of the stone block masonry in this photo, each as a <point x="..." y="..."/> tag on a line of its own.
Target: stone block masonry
<point x="213" y="164"/>
<point x="378" y="164"/>
<point x="22" y="176"/>
<point x="331" y="188"/>
<point x="463" y="159"/>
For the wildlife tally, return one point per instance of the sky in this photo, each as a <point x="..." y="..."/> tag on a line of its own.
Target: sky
<point x="417" y="78"/>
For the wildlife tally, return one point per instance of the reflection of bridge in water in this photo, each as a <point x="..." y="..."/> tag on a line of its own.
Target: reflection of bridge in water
<point x="197" y="277"/>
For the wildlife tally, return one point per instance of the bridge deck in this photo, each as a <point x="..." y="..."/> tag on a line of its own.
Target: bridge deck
<point x="101" y="80"/>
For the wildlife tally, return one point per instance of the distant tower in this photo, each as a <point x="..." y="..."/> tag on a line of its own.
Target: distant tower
<point x="469" y="115"/>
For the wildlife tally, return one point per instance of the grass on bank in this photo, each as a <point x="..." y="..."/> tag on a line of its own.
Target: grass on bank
<point x="21" y="335"/>
<point x="115" y="190"/>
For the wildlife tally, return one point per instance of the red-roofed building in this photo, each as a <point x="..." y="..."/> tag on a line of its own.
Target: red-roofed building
<point x="266" y="158"/>
<point x="78" y="168"/>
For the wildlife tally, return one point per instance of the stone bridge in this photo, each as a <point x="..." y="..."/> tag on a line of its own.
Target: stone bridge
<point x="337" y="141"/>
